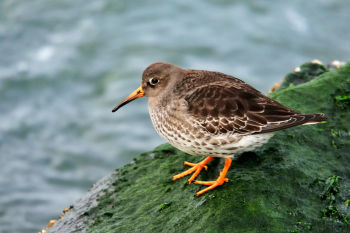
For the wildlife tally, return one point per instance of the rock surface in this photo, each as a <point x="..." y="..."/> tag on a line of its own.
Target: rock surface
<point x="298" y="182"/>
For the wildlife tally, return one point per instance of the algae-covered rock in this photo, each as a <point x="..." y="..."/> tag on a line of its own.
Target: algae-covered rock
<point x="305" y="73"/>
<point x="298" y="182"/>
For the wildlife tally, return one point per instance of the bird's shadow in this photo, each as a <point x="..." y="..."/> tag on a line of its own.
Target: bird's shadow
<point x="246" y="160"/>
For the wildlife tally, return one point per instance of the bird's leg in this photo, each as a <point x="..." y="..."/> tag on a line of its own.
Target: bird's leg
<point x="195" y="169"/>
<point x="221" y="179"/>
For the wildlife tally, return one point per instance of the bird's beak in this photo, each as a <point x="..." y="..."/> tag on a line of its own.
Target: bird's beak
<point x="136" y="94"/>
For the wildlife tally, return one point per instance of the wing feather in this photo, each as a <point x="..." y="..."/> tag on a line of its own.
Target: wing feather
<point x="243" y="110"/>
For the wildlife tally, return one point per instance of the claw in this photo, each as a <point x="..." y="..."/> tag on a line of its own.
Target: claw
<point x="211" y="182"/>
<point x="221" y="179"/>
<point x="195" y="169"/>
<point x="194" y="164"/>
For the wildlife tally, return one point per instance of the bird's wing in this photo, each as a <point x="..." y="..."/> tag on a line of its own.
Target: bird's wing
<point x="240" y="109"/>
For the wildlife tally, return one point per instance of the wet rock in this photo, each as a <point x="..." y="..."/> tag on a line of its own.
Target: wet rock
<point x="298" y="182"/>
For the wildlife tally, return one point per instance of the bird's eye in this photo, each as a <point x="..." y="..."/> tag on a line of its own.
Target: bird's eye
<point x="153" y="81"/>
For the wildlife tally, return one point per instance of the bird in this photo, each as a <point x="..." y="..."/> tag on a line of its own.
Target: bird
<point x="212" y="114"/>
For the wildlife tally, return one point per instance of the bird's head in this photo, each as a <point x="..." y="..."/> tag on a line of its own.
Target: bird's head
<point x="156" y="79"/>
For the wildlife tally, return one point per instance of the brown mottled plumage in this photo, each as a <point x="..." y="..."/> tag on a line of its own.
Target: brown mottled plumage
<point x="211" y="113"/>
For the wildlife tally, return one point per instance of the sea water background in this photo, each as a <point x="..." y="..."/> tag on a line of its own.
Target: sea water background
<point x="65" y="64"/>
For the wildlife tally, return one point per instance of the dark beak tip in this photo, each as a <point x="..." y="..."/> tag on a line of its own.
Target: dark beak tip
<point x="115" y="109"/>
<point x="120" y="105"/>
<point x="136" y="94"/>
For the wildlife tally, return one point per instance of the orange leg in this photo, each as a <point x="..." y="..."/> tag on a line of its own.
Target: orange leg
<point x="217" y="182"/>
<point x="196" y="169"/>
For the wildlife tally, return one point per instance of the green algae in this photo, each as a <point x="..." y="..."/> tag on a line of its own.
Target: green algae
<point x="308" y="71"/>
<point x="340" y="98"/>
<point x="291" y="184"/>
<point x="331" y="195"/>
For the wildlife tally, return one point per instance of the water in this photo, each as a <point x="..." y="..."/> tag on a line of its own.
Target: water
<point x="65" y="64"/>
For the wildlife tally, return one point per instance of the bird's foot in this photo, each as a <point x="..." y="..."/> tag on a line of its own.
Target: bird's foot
<point x="195" y="169"/>
<point x="212" y="184"/>
<point x="221" y="179"/>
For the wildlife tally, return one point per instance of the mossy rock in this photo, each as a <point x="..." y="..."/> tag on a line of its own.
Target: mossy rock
<point x="298" y="182"/>
<point x="307" y="72"/>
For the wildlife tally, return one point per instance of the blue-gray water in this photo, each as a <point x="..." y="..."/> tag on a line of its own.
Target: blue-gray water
<point x="65" y="64"/>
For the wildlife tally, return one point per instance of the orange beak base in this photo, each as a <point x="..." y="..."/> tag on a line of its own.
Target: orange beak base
<point x="136" y="94"/>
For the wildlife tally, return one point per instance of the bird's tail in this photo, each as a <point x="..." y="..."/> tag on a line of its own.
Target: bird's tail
<point x="294" y="120"/>
<point x="313" y="118"/>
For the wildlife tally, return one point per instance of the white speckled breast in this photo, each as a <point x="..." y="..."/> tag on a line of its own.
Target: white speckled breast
<point x="186" y="134"/>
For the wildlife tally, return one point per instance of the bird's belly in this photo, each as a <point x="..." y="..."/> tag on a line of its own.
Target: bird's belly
<point x="228" y="146"/>
<point x="186" y="137"/>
